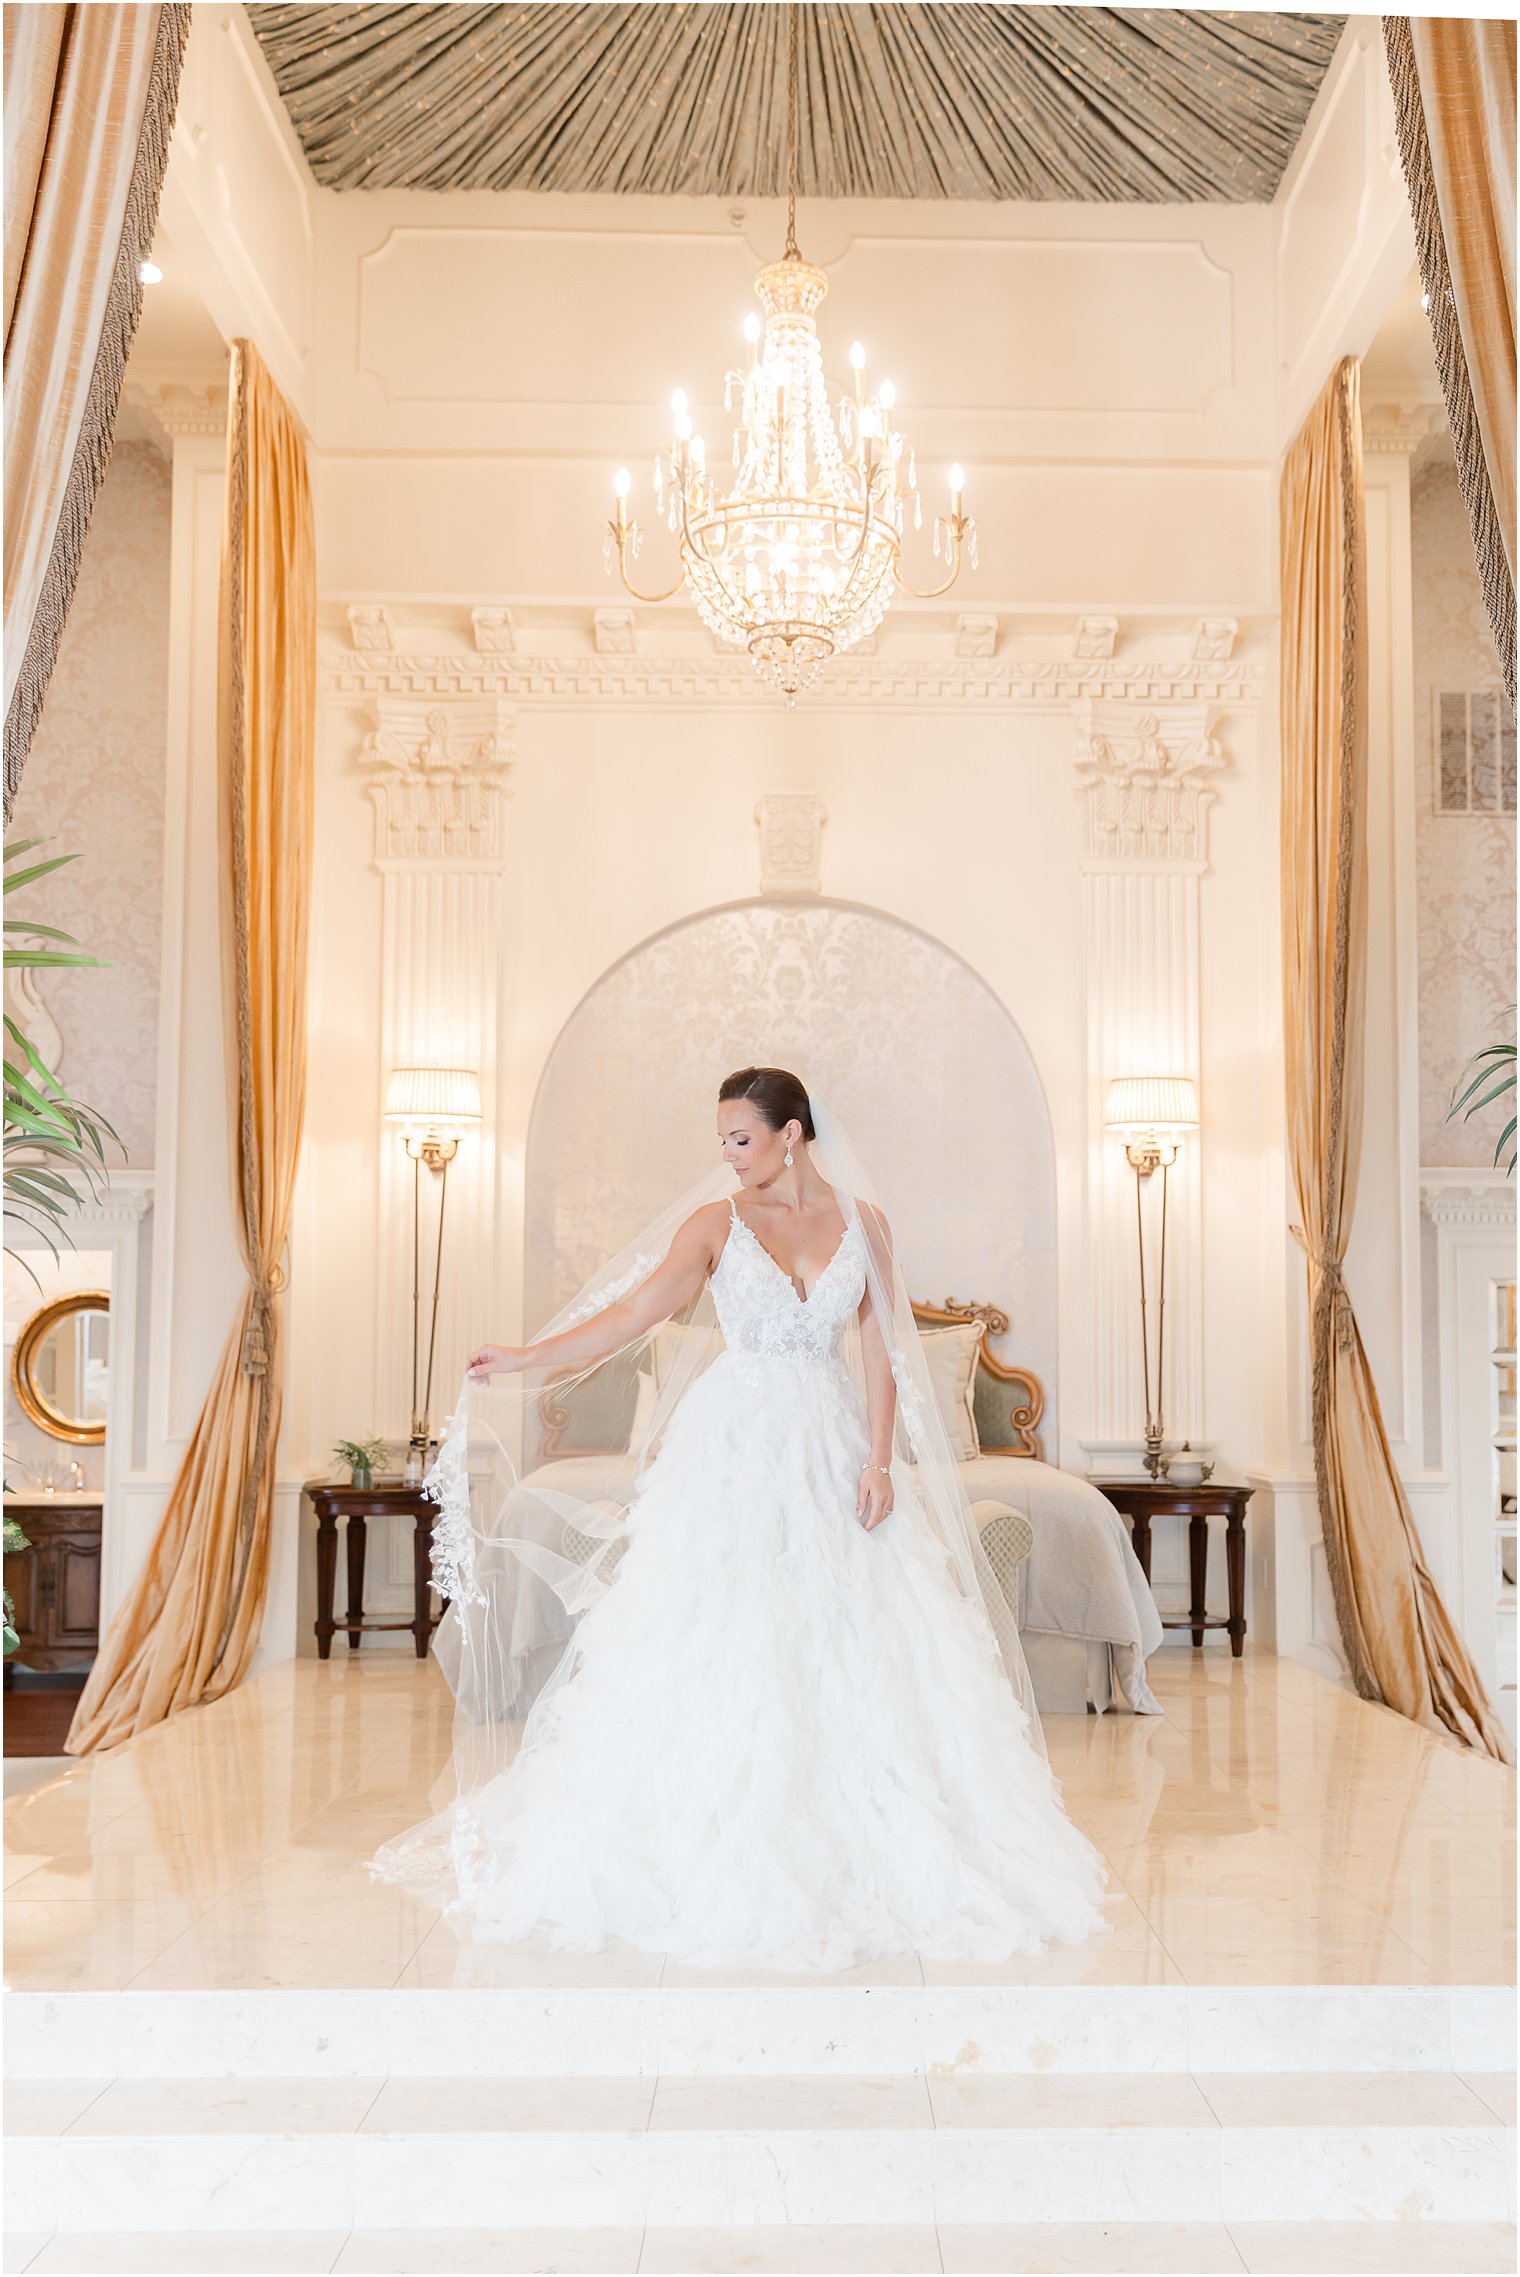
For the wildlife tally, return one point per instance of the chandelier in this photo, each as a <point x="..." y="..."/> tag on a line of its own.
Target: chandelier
<point x="799" y="558"/>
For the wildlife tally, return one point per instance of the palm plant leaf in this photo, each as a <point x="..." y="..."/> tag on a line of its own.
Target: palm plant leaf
<point x="17" y="960"/>
<point x="16" y="879"/>
<point x="1475" y="1097"/>
<point x="38" y="932"/>
<point x="1490" y="1075"/>
<point x="55" y="1146"/>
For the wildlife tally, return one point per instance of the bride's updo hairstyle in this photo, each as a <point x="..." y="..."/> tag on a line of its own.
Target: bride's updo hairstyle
<point x="774" y="1092"/>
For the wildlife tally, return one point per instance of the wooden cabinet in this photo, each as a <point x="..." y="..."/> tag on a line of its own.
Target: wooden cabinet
<point x="55" y="1584"/>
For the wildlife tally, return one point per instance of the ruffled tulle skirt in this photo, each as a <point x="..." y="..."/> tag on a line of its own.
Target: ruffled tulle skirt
<point x="785" y="1742"/>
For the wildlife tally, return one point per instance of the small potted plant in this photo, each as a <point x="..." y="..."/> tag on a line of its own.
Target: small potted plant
<point x="14" y="1540"/>
<point x="361" y="1456"/>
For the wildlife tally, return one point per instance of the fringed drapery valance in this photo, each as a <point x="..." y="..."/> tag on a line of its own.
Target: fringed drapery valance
<point x="89" y="102"/>
<point x="1453" y="82"/>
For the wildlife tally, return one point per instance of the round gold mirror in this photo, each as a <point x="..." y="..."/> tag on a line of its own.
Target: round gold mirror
<point x="61" y="1366"/>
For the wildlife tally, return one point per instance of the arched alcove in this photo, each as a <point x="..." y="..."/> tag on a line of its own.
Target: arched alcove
<point x="931" y="1075"/>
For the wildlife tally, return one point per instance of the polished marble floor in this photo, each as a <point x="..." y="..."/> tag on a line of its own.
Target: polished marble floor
<point x="1267" y="1829"/>
<point x="1077" y="2249"/>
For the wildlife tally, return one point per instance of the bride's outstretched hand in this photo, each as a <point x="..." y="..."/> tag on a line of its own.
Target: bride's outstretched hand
<point x="489" y="1360"/>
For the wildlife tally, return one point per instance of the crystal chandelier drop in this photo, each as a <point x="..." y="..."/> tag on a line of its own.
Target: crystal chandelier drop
<point x="798" y="560"/>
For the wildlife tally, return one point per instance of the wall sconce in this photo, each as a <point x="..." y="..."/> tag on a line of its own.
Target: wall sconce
<point x="1150" y="1112"/>
<point x="434" y="1105"/>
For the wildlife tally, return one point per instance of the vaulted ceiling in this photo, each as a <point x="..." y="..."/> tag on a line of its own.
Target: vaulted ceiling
<point x="897" y="101"/>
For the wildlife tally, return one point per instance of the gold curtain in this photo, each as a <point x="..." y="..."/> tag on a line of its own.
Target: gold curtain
<point x="188" y="1629"/>
<point x="1453" y="81"/>
<point x="89" y="102"/>
<point x="1400" y="1644"/>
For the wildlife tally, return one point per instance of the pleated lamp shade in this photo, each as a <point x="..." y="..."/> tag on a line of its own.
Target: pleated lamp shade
<point x="1160" y="1103"/>
<point x="432" y="1095"/>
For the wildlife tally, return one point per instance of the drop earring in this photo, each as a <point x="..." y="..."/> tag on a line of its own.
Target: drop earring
<point x="789" y="1154"/>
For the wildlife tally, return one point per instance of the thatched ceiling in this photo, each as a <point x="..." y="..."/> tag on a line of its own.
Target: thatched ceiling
<point x="898" y="101"/>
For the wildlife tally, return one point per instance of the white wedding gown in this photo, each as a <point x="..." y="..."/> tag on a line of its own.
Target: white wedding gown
<point x="787" y="1742"/>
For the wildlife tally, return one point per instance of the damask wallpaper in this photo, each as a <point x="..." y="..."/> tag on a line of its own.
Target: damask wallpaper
<point x="94" y="785"/>
<point x="1465" y="862"/>
<point x="933" y="1080"/>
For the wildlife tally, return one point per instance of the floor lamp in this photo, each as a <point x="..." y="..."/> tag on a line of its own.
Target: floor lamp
<point x="1150" y="1113"/>
<point x="434" y="1105"/>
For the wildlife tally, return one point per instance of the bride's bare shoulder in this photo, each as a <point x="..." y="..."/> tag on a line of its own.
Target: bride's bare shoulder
<point x="706" y="1227"/>
<point x="875" y="1221"/>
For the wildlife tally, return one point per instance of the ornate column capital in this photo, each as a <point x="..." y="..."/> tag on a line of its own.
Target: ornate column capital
<point x="1145" y="779"/>
<point x="439" y="776"/>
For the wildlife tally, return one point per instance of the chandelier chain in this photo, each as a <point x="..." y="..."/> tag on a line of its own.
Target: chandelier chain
<point x="793" y="252"/>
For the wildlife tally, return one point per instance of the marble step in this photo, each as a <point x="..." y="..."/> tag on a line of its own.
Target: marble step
<point x="411" y="2153"/>
<point x="1178" y="2249"/>
<point x="597" y="2029"/>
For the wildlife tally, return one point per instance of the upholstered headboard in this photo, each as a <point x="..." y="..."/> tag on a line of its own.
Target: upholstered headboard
<point x="1009" y="1401"/>
<point x="594" y="1416"/>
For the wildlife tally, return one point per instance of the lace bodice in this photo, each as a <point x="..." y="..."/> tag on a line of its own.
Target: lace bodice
<point x="760" y="1311"/>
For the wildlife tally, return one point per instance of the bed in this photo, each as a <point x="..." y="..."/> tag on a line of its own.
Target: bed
<point x="1087" y="1619"/>
<point x="1086" y="1615"/>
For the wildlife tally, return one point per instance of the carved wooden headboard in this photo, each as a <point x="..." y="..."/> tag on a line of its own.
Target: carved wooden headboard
<point x="1009" y="1401"/>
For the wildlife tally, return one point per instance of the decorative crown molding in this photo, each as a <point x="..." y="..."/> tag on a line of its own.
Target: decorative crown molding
<point x="791" y="841"/>
<point x="729" y="681"/>
<point x="1400" y="427"/>
<point x="495" y="634"/>
<point x="439" y="779"/>
<point x="613" y="632"/>
<point x="126" y="1200"/>
<point x="176" y="408"/>
<point x="371" y="630"/>
<point x="1146" y="783"/>
<point x="1468" y="1197"/>
<point x="976" y="636"/>
<point x="1214" y="641"/>
<point x="1097" y="636"/>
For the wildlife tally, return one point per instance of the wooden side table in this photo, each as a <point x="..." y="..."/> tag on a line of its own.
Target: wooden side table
<point x="357" y="1504"/>
<point x="1141" y="1500"/>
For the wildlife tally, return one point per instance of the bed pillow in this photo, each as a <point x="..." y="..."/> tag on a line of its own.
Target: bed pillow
<point x="951" y="1354"/>
<point x="670" y="1344"/>
<point x="648" y="1392"/>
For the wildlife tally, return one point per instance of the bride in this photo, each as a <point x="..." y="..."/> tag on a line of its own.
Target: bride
<point x="738" y="1686"/>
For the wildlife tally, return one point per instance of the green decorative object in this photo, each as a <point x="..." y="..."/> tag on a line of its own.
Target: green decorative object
<point x="1490" y="1075"/>
<point x="14" y="1540"/>
<point x="54" y="1147"/>
<point x="361" y="1456"/>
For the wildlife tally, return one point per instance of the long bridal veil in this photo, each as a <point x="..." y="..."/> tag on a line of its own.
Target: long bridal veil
<point x="537" y="1471"/>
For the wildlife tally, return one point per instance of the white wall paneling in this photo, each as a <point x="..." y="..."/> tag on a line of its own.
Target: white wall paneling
<point x="1147" y="780"/>
<point x="439" y="786"/>
<point x="1345" y="242"/>
<point x="238" y="200"/>
<point x="1473" y="1213"/>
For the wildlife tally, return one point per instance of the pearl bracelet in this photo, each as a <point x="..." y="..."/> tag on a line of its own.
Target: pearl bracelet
<point x="884" y="1468"/>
